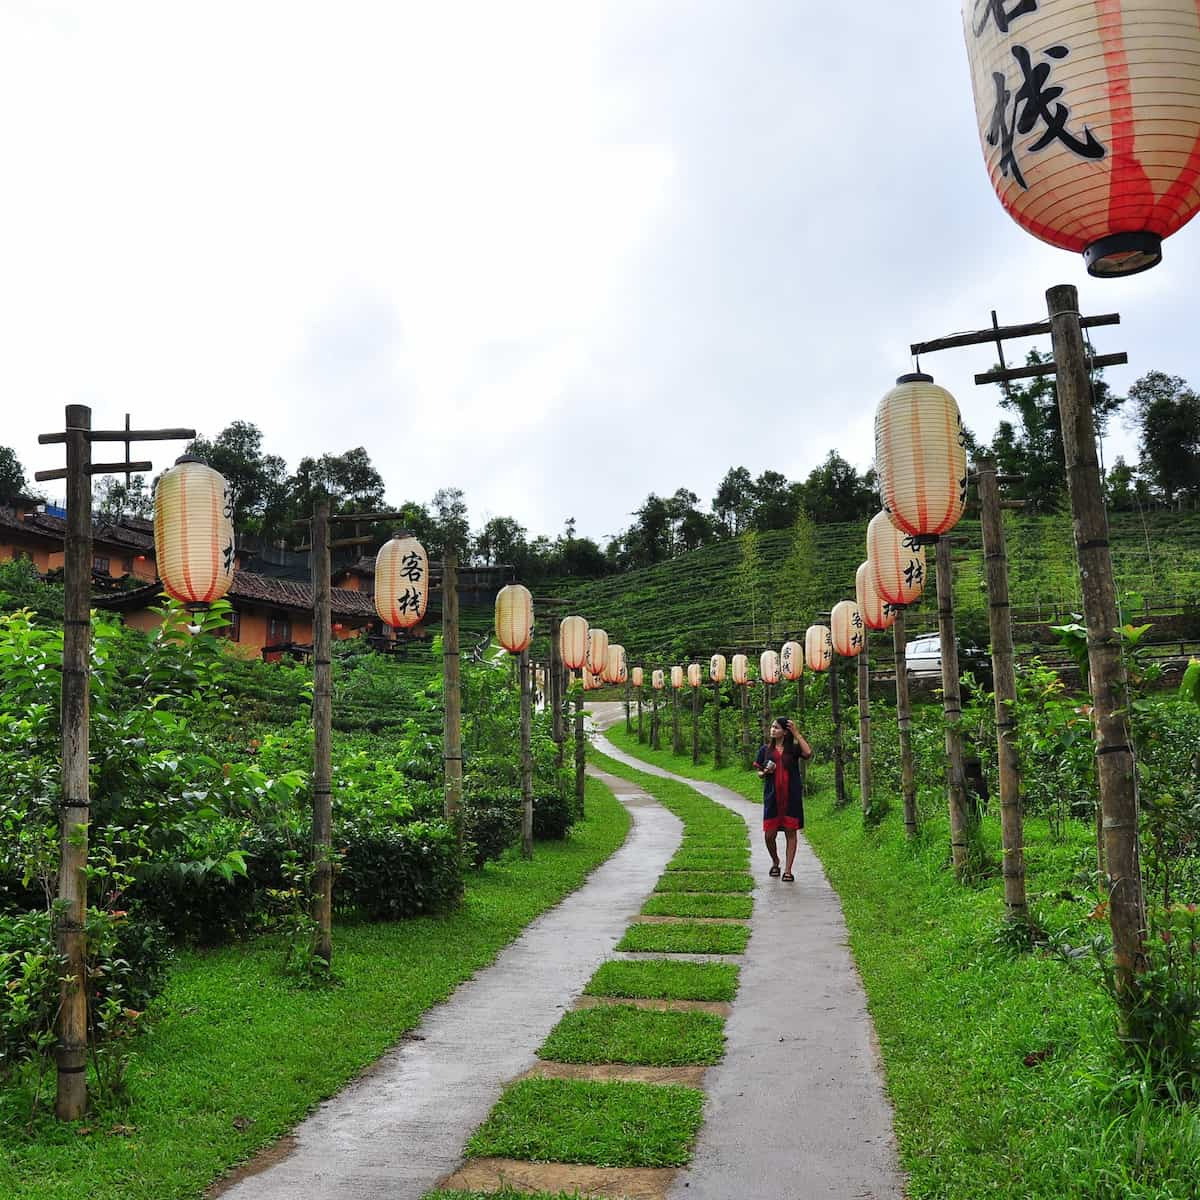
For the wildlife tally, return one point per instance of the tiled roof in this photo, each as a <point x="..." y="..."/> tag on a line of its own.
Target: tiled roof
<point x="125" y="534"/>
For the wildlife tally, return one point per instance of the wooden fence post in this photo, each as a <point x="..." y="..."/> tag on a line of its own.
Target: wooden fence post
<point x="839" y="753"/>
<point x="864" y="724"/>
<point x="580" y="748"/>
<point x="554" y="690"/>
<point x="716" y="723"/>
<point x="1004" y="686"/>
<point x="322" y="798"/>
<point x="526" y="670"/>
<point x="676" y="734"/>
<point x="1116" y="767"/>
<point x="641" y="736"/>
<point x="956" y="783"/>
<point x="746" y="756"/>
<point x="908" y="780"/>
<point x="696" y="724"/>
<point x="452" y="757"/>
<point x="628" y="715"/>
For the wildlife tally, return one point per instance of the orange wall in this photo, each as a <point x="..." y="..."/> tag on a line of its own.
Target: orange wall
<point x="39" y="555"/>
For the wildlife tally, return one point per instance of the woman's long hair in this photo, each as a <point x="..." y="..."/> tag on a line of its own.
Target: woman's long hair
<point x="790" y="749"/>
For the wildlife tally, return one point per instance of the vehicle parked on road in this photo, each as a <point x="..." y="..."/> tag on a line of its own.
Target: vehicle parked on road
<point x="923" y="659"/>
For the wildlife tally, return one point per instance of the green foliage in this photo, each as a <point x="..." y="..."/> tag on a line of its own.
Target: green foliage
<point x="685" y="938"/>
<point x="697" y="904"/>
<point x="623" y="1033"/>
<point x="21" y="587"/>
<point x="661" y="978"/>
<point x="398" y="872"/>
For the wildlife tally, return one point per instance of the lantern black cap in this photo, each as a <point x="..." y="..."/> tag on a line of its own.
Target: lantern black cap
<point x="187" y="458"/>
<point x="1123" y="254"/>
<point x="915" y="377"/>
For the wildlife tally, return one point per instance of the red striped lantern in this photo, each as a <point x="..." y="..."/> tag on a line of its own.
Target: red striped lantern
<point x="597" y="651"/>
<point x="590" y="682"/>
<point x="791" y="661"/>
<point x="1089" y="118"/>
<point x="401" y="582"/>
<point x="193" y="532"/>
<point x="677" y="677"/>
<point x="740" y="669"/>
<point x="716" y="668"/>
<point x="572" y="642"/>
<point x="622" y="664"/>
<point x="846" y="629"/>
<point x="514" y="617"/>
<point x="639" y="677"/>
<point x="897" y="561"/>
<point x="921" y="457"/>
<point x="657" y="680"/>
<point x="768" y="666"/>
<point x="875" y="611"/>
<point x="818" y="648"/>
<point x="693" y="675"/>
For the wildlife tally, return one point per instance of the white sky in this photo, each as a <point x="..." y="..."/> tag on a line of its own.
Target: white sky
<point x="558" y="254"/>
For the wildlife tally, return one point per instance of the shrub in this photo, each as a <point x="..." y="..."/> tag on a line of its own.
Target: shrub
<point x="401" y="871"/>
<point x="491" y="824"/>
<point x="553" y="814"/>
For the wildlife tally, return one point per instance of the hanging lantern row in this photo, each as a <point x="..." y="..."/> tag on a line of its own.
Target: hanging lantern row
<point x="791" y="661"/>
<point x="875" y="611"/>
<point x="639" y="677"/>
<point x="818" y="648"/>
<point x="401" y="582"/>
<point x="597" y="651"/>
<point x="846" y="629"/>
<point x="693" y="675"/>
<point x="657" y="681"/>
<point x="1089" y="119"/>
<point x="677" y="677"/>
<point x="897" y="561"/>
<point x="514" y="617"/>
<point x="768" y="667"/>
<point x="573" y="642"/>
<point x="716" y="668"/>
<point x="193" y="532"/>
<point x="740" y="668"/>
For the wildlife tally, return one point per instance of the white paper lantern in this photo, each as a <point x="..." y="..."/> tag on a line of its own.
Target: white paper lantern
<point x="716" y="668"/>
<point x="693" y="675"/>
<point x="657" y="681"/>
<point x="401" y="582"/>
<point x="768" y="666"/>
<point x="677" y="677"/>
<point x="897" y="562"/>
<point x="818" y="648"/>
<point x="846" y="629"/>
<point x="193" y="532"/>
<point x="597" y="652"/>
<point x="739" y="667"/>
<point x="791" y="661"/>
<point x="875" y="611"/>
<point x="514" y="617"/>
<point x="639" y="677"/>
<point x="572" y="642"/>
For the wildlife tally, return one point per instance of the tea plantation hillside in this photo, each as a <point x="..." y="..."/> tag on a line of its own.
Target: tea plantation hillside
<point x="706" y="599"/>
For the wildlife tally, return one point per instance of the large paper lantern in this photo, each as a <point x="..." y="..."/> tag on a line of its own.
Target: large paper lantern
<point x="1089" y="118"/>
<point x="768" y="666"/>
<point x="193" y="532"/>
<point x="693" y="675"/>
<point x="514" y="617"/>
<point x="791" y="661"/>
<point x="572" y="642"/>
<point x="639" y="677"/>
<point x="716" y="668"/>
<point x="897" y="561"/>
<point x="401" y="582"/>
<point x="590" y="682"/>
<point x="677" y="677"/>
<point x="818" y="648"/>
<point x="597" y="651"/>
<point x="846" y="629"/>
<point x="614" y="664"/>
<point x="739" y="668"/>
<point x="921" y="457"/>
<point x="876" y="612"/>
<point x="622" y="665"/>
<point x="657" y="680"/>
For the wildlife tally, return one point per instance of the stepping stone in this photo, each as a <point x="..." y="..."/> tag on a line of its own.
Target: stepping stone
<point x="718" y="1008"/>
<point x="611" y="1183"/>
<point x="689" y="1076"/>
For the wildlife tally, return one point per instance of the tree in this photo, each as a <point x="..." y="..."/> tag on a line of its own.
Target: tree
<point x="649" y="539"/>
<point x="451" y="530"/>
<point x="748" y="582"/>
<point x="502" y="540"/>
<point x="775" y="501"/>
<point x="797" y="589"/>
<point x="12" y="474"/>
<point x="258" y="481"/>
<point x="349" y="479"/>
<point x="1167" y="415"/>
<point x="112" y="498"/>
<point x="835" y="492"/>
<point x="733" y="505"/>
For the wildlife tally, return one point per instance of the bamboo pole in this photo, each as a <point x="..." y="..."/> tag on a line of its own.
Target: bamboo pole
<point x="716" y="723"/>
<point x="580" y="748"/>
<point x="766" y="713"/>
<point x="908" y="780"/>
<point x="525" y="670"/>
<point x="864" y="725"/>
<point x="696" y="724"/>
<point x="1116" y="767"/>
<point x="554" y="690"/>
<point x="956" y="783"/>
<point x="641" y="737"/>
<point x="1004" y="686"/>
<point x="655" y="740"/>
<point x="452" y="756"/>
<point x="628" y="716"/>
<point x="75" y="805"/>
<point x="676" y="733"/>
<point x="839" y="751"/>
<point x="322" y="798"/>
<point x="745" y="690"/>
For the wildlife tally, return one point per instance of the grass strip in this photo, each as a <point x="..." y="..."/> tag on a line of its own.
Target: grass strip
<point x="732" y="858"/>
<point x="604" y="1124"/>
<point x="237" y="1055"/>
<point x="1001" y="1067"/>
<point x="686" y="939"/>
<point x="705" y="881"/>
<point x="662" y="979"/>
<point x="697" y="904"/>
<point x="621" y="1033"/>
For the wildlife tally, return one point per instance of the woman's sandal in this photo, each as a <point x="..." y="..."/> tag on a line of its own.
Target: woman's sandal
<point x="774" y="871"/>
<point x="788" y="877"/>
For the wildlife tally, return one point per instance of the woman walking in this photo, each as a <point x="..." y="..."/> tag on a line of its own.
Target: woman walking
<point x="778" y="766"/>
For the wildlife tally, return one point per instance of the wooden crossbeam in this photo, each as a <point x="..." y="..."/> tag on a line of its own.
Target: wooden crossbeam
<point x="1004" y="333"/>
<point x="124" y="435"/>
<point x="1047" y="368"/>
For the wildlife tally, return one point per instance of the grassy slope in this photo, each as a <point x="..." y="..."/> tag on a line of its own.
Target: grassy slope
<point x="233" y="1041"/>
<point x="959" y="1019"/>
<point x="661" y="608"/>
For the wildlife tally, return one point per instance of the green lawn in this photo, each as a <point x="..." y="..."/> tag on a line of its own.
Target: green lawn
<point x="686" y="939"/>
<point x="604" y="1124"/>
<point x="705" y="881"/>
<point x="623" y="1033"/>
<point x="687" y="904"/>
<point x="704" y="859"/>
<point x="663" y="979"/>
<point x="237" y="1055"/>
<point x="1002" y="1068"/>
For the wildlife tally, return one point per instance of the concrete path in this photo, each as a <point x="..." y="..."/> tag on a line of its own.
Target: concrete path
<point x="796" y="1109"/>
<point x="398" y="1129"/>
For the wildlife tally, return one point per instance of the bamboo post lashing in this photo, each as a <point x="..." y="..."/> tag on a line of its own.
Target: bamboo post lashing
<point x="716" y="723"/>
<point x="908" y="780"/>
<point x="1116" y="767"/>
<point x="956" y="783"/>
<point x="1004" y="686"/>
<point x="452" y="756"/>
<point x="839" y="751"/>
<point x="580" y="747"/>
<point x="322" y="797"/>
<point x="864" y="725"/>
<point x="696" y="724"/>
<point x="526" y="672"/>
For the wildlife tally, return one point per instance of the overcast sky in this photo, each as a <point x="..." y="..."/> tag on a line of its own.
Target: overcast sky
<point x="557" y="254"/>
